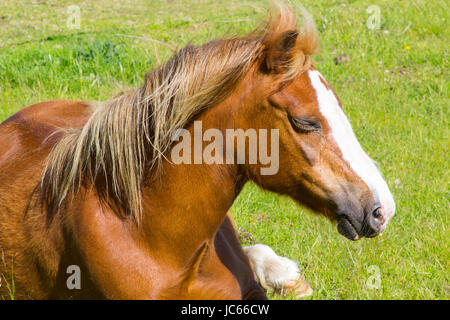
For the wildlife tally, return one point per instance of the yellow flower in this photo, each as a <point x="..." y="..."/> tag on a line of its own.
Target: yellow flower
<point x="407" y="47"/>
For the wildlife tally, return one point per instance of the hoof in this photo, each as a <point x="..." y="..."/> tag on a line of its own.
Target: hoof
<point x="299" y="287"/>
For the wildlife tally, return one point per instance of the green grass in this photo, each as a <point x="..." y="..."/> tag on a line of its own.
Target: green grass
<point x="394" y="87"/>
<point x="7" y="280"/>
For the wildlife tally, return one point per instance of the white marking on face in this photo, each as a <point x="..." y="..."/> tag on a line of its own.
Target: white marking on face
<point x="351" y="150"/>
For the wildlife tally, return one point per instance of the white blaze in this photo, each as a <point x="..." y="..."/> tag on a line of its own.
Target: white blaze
<point x="351" y="150"/>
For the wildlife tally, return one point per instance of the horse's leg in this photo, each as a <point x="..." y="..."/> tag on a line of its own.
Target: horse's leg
<point x="122" y="268"/>
<point x="232" y="255"/>
<point x="260" y="263"/>
<point x="275" y="273"/>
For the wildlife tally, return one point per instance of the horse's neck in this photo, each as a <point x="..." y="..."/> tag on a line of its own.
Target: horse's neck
<point x="187" y="204"/>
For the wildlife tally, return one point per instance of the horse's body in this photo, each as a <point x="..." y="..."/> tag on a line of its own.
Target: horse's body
<point x="92" y="195"/>
<point x="40" y="255"/>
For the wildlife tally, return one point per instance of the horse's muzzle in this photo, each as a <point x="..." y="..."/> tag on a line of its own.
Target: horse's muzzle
<point x="346" y="229"/>
<point x="370" y="228"/>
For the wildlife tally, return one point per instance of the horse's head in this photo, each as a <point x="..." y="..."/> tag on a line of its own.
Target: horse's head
<point x="321" y="163"/>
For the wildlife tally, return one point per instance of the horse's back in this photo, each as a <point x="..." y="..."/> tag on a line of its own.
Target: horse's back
<point x="31" y="127"/>
<point x="26" y="139"/>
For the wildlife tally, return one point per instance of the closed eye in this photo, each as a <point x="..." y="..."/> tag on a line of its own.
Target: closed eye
<point x="304" y="125"/>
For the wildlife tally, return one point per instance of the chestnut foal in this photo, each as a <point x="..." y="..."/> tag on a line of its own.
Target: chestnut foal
<point x="92" y="186"/>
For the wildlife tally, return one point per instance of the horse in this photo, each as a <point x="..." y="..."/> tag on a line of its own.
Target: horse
<point x="91" y="186"/>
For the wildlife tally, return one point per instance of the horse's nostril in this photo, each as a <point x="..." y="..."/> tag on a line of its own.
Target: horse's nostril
<point x="378" y="214"/>
<point x="372" y="224"/>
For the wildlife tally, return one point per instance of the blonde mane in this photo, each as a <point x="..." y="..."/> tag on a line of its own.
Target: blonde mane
<point x="128" y="136"/>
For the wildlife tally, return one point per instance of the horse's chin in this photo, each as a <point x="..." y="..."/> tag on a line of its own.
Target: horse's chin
<point x="346" y="229"/>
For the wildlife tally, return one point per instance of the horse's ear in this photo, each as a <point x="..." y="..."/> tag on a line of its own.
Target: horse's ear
<point x="279" y="52"/>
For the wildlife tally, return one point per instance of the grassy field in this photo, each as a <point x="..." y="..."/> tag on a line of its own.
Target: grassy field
<point x="394" y="86"/>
